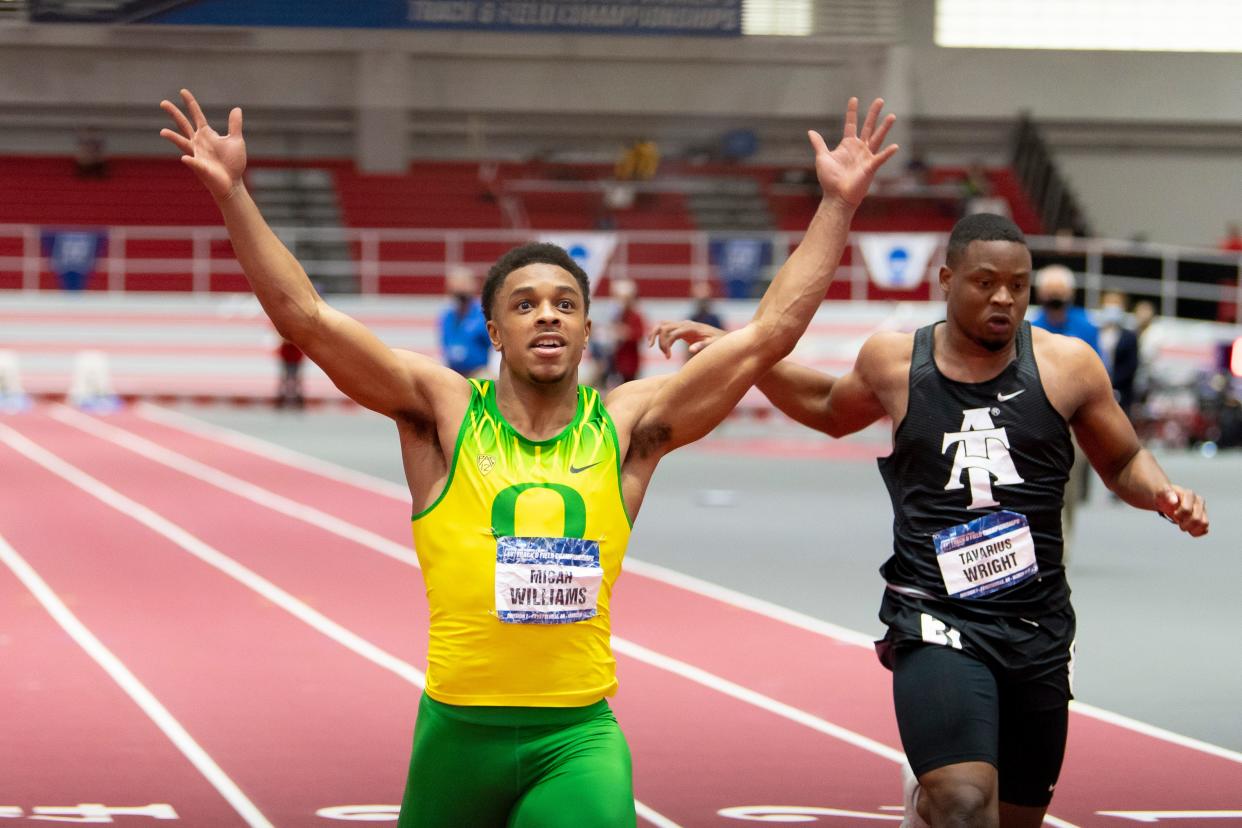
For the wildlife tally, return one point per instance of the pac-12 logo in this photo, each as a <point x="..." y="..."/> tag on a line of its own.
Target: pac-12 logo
<point x="982" y="454"/>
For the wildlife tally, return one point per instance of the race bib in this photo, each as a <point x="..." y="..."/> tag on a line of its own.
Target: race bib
<point x="547" y="580"/>
<point x="983" y="556"/>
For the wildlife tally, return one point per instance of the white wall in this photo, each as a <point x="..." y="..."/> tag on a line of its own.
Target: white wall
<point x="1063" y="85"/>
<point x="1176" y="195"/>
<point x="1178" y="198"/>
<point x="47" y="74"/>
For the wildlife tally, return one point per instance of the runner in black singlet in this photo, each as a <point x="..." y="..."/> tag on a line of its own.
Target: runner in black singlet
<point x="980" y="628"/>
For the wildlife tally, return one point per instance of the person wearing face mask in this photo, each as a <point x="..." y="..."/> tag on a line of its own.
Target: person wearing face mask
<point x="1119" y="345"/>
<point x="1054" y="290"/>
<point x="463" y="330"/>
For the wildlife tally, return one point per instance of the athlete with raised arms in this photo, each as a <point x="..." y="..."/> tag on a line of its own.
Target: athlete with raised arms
<point x="524" y="489"/>
<point x="980" y="628"/>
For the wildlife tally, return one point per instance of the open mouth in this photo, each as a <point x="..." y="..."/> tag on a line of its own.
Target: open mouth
<point x="548" y="345"/>
<point x="999" y="324"/>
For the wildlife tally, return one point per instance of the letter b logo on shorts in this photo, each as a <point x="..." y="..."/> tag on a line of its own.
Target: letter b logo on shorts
<point x="504" y="509"/>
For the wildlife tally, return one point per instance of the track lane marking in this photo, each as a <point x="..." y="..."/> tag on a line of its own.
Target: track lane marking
<point x="229" y="484"/>
<point x="726" y="595"/>
<point x="263" y="497"/>
<point x="236" y="570"/>
<point x="130" y="684"/>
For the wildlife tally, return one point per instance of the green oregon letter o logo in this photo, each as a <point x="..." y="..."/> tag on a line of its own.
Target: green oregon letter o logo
<point x="504" y="509"/>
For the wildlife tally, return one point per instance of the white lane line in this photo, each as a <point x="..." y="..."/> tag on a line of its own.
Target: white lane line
<point x="233" y="485"/>
<point x="654" y="817"/>
<point x="209" y="555"/>
<point x="636" y="651"/>
<point x="232" y="568"/>
<point x="1155" y="732"/>
<point x="261" y="496"/>
<point x="1159" y="816"/>
<point x="133" y="688"/>
<point x="756" y="699"/>
<point x="340" y="474"/>
<point x="271" y="451"/>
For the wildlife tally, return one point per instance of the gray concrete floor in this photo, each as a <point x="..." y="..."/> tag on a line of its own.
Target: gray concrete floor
<point x="1157" y="610"/>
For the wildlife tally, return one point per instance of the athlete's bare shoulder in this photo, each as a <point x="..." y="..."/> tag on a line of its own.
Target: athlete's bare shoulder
<point x="1062" y="354"/>
<point x="1070" y="370"/>
<point x="885" y="357"/>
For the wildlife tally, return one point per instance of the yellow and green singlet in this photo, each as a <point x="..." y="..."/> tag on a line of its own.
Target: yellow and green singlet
<point x="503" y="486"/>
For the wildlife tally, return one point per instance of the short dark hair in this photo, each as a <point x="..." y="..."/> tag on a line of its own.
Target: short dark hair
<point x="980" y="227"/>
<point x="533" y="253"/>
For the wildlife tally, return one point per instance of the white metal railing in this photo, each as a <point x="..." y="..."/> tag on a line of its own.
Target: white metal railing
<point x="201" y="254"/>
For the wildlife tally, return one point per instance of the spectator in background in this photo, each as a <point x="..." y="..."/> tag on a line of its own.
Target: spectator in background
<point x="464" y="342"/>
<point x="704" y="314"/>
<point x="639" y="161"/>
<point x="1232" y="242"/>
<point x="289" y="392"/>
<point x="89" y="157"/>
<point x="1151" y="338"/>
<point x="701" y="292"/>
<point x="917" y="173"/>
<point x="1119" y="347"/>
<point x="629" y="328"/>
<point x="1054" y="290"/>
<point x="975" y="183"/>
<point x="977" y="194"/>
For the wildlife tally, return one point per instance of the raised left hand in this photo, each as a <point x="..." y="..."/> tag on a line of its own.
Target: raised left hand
<point x="846" y="172"/>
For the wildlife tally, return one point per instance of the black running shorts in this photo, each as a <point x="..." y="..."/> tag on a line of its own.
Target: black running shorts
<point x="952" y="707"/>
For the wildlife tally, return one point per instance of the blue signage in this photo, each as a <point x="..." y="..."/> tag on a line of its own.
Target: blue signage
<point x="742" y="261"/>
<point x="72" y="254"/>
<point x="631" y="17"/>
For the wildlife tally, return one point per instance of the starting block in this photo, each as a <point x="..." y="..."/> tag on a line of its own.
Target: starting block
<point x="13" y="397"/>
<point x="91" y="386"/>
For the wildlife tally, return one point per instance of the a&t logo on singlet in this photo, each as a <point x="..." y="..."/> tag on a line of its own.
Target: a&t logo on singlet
<point x="983" y="453"/>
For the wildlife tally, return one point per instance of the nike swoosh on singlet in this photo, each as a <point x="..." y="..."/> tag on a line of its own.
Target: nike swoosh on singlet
<point x="575" y="469"/>
<point x="1005" y="397"/>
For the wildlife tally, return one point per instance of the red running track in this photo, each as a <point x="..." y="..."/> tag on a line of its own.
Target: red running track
<point x="277" y="616"/>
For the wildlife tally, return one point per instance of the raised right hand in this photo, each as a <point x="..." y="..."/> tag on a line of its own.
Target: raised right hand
<point x="218" y="160"/>
<point x="695" y="334"/>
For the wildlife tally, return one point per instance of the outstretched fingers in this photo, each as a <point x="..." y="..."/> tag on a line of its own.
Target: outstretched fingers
<point x="196" y="112"/>
<point x="877" y="138"/>
<point x="851" y="119"/>
<point x="879" y="158"/>
<point x="873" y="114"/>
<point x="179" y="141"/>
<point x="666" y="333"/>
<point x="179" y="119"/>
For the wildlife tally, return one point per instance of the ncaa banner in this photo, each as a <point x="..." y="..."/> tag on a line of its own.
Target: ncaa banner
<point x="897" y="261"/>
<point x="72" y="255"/>
<point x="592" y="251"/>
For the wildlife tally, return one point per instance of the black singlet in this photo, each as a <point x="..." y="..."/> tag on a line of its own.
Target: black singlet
<point x="963" y="451"/>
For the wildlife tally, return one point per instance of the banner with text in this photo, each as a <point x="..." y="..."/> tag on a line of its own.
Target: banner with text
<point x="632" y="17"/>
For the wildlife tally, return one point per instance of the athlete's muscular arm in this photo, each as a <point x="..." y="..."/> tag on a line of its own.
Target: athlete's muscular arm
<point x="1109" y="441"/>
<point x="834" y="405"/>
<point x="390" y="382"/>
<point x="695" y="399"/>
